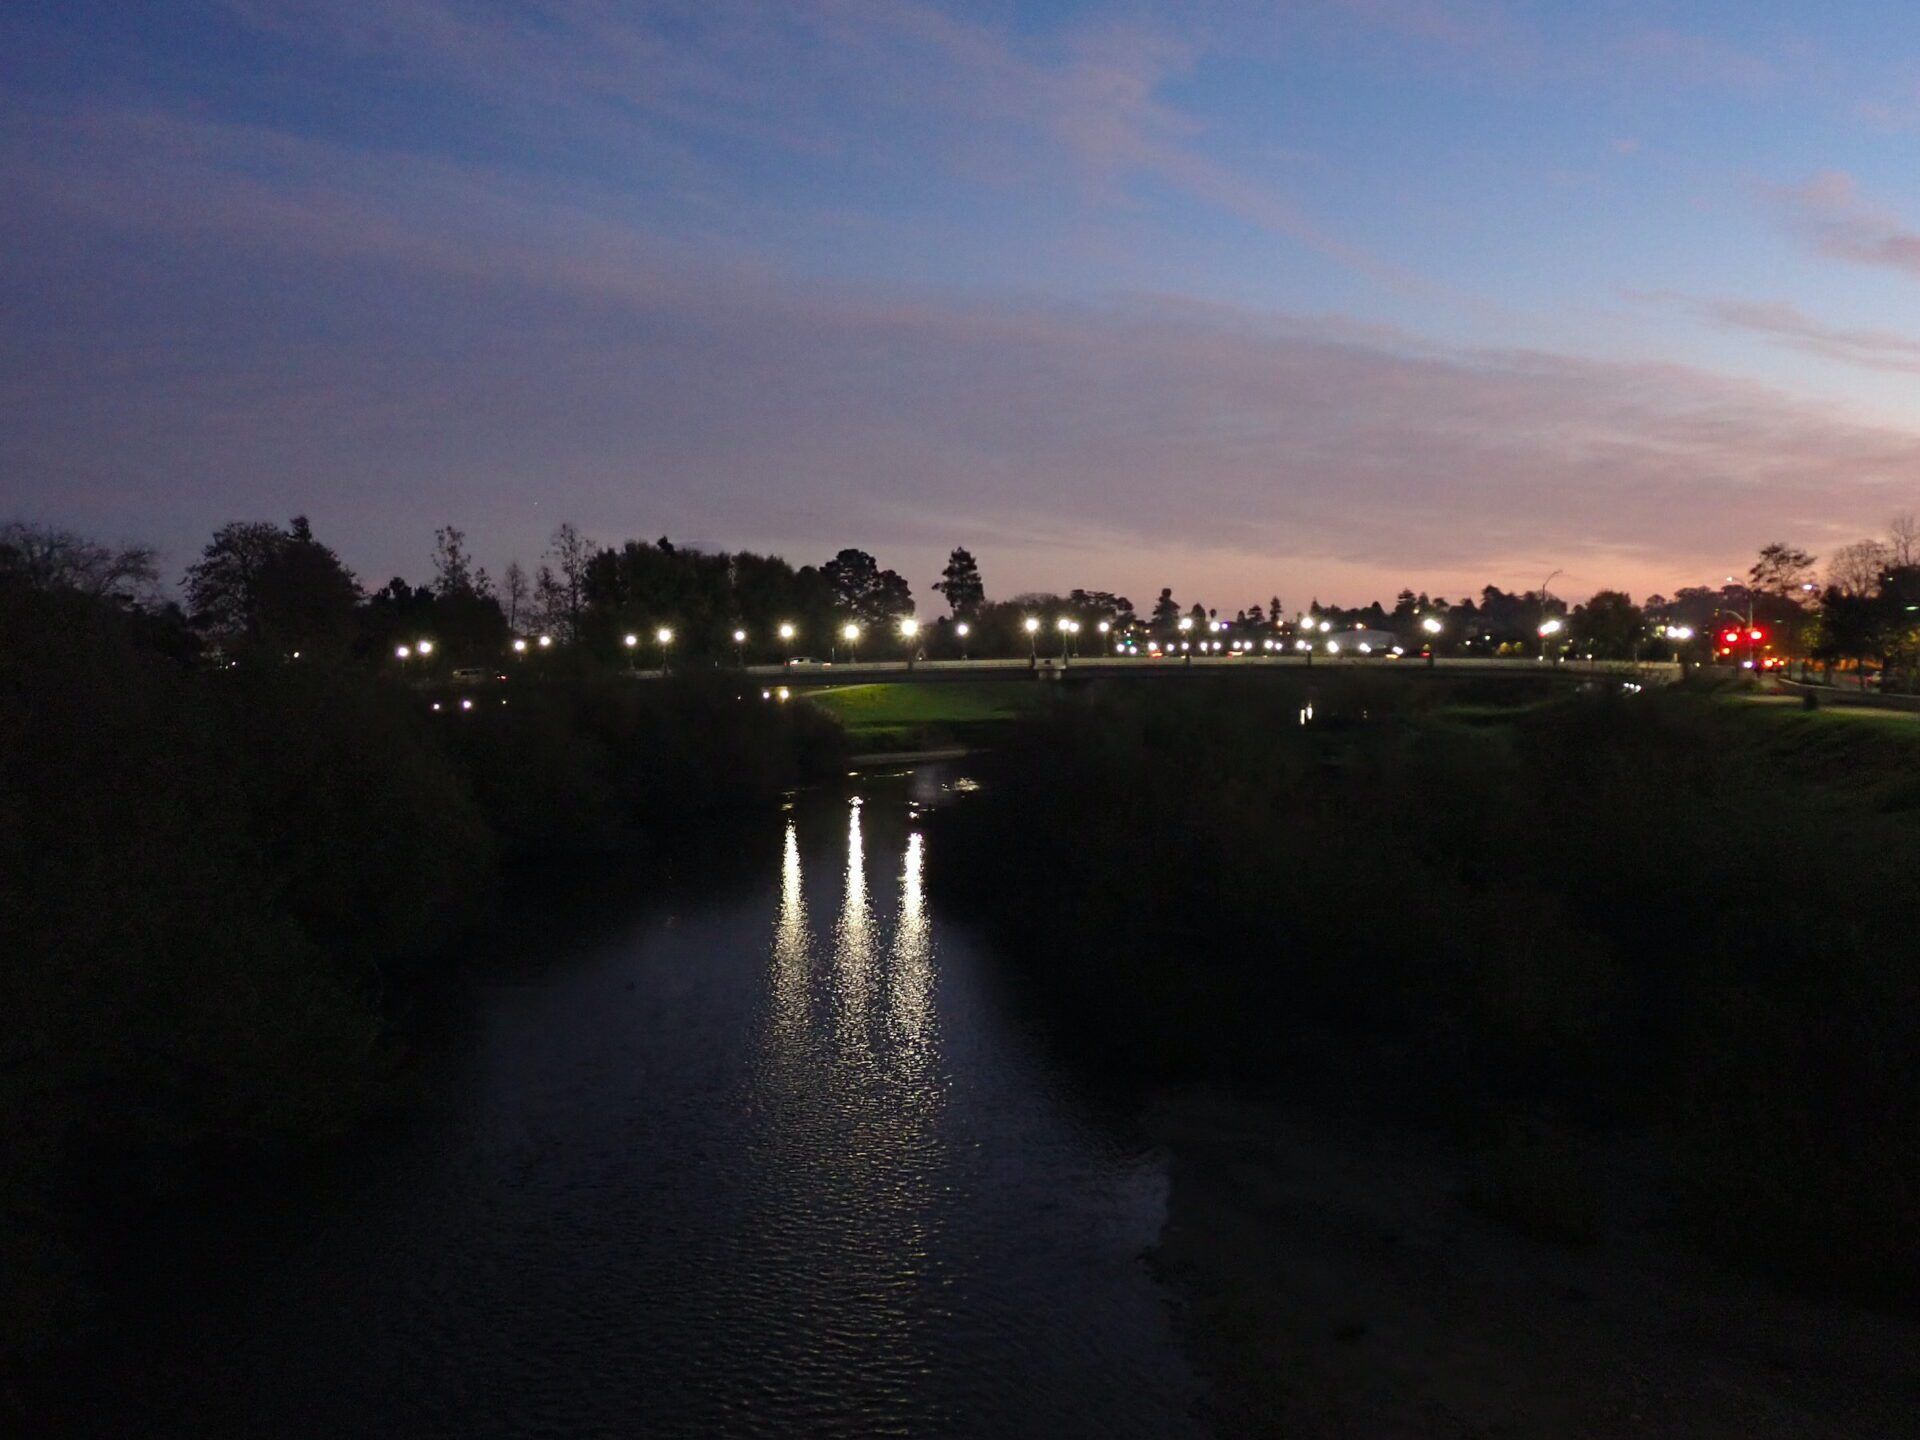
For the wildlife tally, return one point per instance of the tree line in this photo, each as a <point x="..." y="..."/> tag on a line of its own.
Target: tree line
<point x="261" y="589"/>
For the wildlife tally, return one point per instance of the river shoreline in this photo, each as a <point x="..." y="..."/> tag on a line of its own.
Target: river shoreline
<point x="1335" y="1281"/>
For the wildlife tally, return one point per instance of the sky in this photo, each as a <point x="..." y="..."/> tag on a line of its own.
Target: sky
<point x="1315" y="298"/>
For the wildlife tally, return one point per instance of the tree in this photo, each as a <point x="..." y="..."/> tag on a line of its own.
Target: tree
<point x="516" y="592"/>
<point x="1609" y="625"/>
<point x="1857" y="569"/>
<point x="452" y="570"/>
<point x="960" y="583"/>
<point x="550" y="607"/>
<point x="567" y="593"/>
<point x="466" y="619"/>
<point x="46" y="558"/>
<point x="864" y="590"/>
<point x="1166" y="610"/>
<point x="1850" y="627"/>
<point x="259" y="585"/>
<point x="1092" y="606"/>
<point x="1903" y="541"/>
<point x="1782" y="570"/>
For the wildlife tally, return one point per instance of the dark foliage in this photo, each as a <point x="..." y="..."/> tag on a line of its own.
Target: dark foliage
<point x="208" y="876"/>
<point x="1652" y="912"/>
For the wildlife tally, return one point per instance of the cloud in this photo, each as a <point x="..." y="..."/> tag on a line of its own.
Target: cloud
<point x="880" y="84"/>
<point x="1869" y="349"/>
<point x="410" y="340"/>
<point x="1830" y="214"/>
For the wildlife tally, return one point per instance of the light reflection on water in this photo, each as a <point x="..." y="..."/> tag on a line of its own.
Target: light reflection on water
<point x="763" y="1161"/>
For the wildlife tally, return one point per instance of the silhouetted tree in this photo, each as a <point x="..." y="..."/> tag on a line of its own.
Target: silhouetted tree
<point x="517" y="590"/>
<point x="1781" y="570"/>
<point x="960" y="582"/>
<point x="567" y="591"/>
<point x="1166" y="610"/>
<point x="259" y="585"/>
<point x="47" y="558"/>
<point x="1609" y="625"/>
<point x="864" y="590"/>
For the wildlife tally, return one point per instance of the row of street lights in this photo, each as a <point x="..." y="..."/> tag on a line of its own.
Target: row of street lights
<point x="1068" y="628"/>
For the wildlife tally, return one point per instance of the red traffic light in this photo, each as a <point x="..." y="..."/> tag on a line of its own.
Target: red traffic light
<point x="1731" y="637"/>
<point x="1756" y="634"/>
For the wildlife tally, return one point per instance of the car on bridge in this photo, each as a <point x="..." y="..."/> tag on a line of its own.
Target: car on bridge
<point x="798" y="662"/>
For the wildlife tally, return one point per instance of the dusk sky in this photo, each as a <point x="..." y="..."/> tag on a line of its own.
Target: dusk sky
<point x="1317" y="297"/>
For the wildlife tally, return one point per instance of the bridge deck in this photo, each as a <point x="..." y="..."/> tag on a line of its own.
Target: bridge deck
<point x="934" y="672"/>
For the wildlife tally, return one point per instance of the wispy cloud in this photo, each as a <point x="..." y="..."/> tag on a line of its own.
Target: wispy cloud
<point x="876" y="83"/>
<point x="1867" y="348"/>
<point x="1829" y="212"/>
<point x="446" y="340"/>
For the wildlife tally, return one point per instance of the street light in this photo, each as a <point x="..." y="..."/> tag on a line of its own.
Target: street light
<point x="633" y="645"/>
<point x="909" y="632"/>
<point x="519" y="647"/>
<point x="963" y="629"/>
<point x="786" y="640"/>
<point x="425" y="647"/>
<point x="1432" y="626"/>
<point x="1549" y="629"/>
<point x="664" y="635"/>
<point x="546" y="641"/>
<point x="402" y="652"/>
<point x="1186" y="625"/>
<point x="740" y="647"/>
<point x="850" y="632"/>
<point x="1679" y="635"/>
<point x="1032" y="626"/>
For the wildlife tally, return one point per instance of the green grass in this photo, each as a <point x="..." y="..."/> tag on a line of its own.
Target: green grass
<point x="904" y="717"/>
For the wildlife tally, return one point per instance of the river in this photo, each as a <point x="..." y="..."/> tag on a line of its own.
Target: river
<point x="760" y="1147"/>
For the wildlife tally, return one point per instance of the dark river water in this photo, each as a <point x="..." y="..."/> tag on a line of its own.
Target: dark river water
<point x="763" y="1150"/>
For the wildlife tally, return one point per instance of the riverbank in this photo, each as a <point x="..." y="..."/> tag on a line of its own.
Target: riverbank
<point x="1667" y="930"/>
<point x="1341" y="1280"/>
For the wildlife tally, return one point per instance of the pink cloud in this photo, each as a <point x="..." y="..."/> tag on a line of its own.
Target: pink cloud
<point x="1869" y="349"/>
<point x="1829" y="211"/>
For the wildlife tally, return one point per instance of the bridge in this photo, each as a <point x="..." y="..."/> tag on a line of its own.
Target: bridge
<point x="936" y="672"/>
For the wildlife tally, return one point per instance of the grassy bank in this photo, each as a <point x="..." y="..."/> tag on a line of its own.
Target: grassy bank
<point x="1669" y="915"/>
<point x="209" y="879"/>
<point x="930" y="717"/>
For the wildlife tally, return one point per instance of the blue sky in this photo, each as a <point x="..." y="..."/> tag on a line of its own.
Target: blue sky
<point x="1311" y="297"/>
